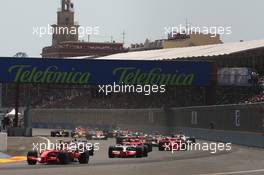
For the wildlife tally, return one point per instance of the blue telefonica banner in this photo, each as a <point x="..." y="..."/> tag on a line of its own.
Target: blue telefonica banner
<point x="102" y="72"/>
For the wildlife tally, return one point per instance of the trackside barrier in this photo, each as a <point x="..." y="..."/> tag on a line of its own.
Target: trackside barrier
<point x="238" y="124"/>
<point x="234" y="137"/>
<point x="3" y="142"/>
<point x="147" y="120"/>
<point x="236" y="117"/>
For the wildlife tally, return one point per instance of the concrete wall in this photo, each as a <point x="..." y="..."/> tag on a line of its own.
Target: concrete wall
<point x="136" y="119"/>
<point x="227" y="117"/>
<point x="246" y="118"/>
<point x="238" y="124"/>
<point x="234" y="137"/>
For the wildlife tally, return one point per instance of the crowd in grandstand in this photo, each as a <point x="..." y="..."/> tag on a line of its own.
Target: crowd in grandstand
<point x="256" y="99"/>
<point x="62" y="96"/>
<point x="45" y="96"/>
<point x="259" y="97"/>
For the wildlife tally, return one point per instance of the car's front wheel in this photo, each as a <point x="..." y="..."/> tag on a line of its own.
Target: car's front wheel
<point x="30" y="155"/>
<point x="139" y="152"/>
<point x="161" y="148"/>
<point x="110" y="152"/>
<point x="84" y="158"/>
<point x="63" y="158"/>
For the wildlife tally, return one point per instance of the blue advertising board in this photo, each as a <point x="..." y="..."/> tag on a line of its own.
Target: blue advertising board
<point x="95" y="72"/>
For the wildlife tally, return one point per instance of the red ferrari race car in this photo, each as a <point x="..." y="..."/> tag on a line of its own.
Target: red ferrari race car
<point x="96" y="135"/>
<point x="127" y="151"/>
<point x="154" y="140"/>
<point x="59" y="156"/>
<point x="189" y="140"/>
<point x="78" y="133"/>
<point x="113" y="132"/>
<point x="172" y="144"/>
<point x="138" y="142"/>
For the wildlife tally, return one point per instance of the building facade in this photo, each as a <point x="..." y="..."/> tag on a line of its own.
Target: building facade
<point x="176" y="41"/>
<point x="66" y="28"/>
<point x="193" y="39"/>
<point x="65" y="38"/>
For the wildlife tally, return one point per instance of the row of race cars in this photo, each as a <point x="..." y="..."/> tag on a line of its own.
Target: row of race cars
<point x="139" y="144"/>
<point x="81" y="132"/>
<point x="128" y="145"/>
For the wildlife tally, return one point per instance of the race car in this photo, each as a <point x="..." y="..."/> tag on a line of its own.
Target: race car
<point x="154" y="139"/>
<point x="113" y="132"/>
<point x="96" y="135"/>
<point x="124" y="136"/>
<point x="189" y="140"/>
<point x="83" y="145"/>
<point x="120" y="139"/>
<point x="59" y="133"/>
<point x="138" y="142"/>
<point x="58" y="156"/>
<point x="175" y="144"/>
<point x="127" y="151"/>
<point x="78" y="133"/>
<point x="124" y="133"/>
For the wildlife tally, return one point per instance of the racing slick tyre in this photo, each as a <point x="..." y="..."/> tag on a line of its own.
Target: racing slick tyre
<point x="91" y="151"/>
<point x="139" y="152"/>
<point x="67" y="134"/>
<point x="63" y="158"/>
<point x="84" y="158"/>
<point x="32" y="154"/>
<point x="110" y="135"/>
<point x="119" y="140"/>
<point x="161" y="148"/>
<point x="149" y="146"/>
<point x="89" y="137"/>
<point x="145" y="151"/>
<point x="110" y="152"/>
<point x="52" y="134"/>
<point x="192" y="139"/>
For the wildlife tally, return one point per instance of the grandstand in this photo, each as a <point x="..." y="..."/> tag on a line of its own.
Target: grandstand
<point x="248" y="54"/>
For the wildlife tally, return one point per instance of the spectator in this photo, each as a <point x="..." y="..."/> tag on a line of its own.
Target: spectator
<point x="6" y="122"/>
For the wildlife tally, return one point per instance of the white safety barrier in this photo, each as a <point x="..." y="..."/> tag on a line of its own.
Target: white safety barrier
<point x="3" y="141"/>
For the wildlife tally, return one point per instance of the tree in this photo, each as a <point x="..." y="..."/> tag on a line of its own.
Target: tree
<point x="21" y="54"/>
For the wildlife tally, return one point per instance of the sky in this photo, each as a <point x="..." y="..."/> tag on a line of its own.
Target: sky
<point x="140" y="19"/>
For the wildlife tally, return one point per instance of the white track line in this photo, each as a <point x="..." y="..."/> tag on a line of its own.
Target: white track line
<point x="236" y="172"/>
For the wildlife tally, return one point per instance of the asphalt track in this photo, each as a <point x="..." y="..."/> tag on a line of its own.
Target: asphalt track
<point x="240" y="160"/>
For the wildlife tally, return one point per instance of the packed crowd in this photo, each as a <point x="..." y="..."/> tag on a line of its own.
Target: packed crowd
<point x="61" y="96"/>
<point x="259" y="96"/>
<point x="44" y="96"/>
<point x="256" y="99"/>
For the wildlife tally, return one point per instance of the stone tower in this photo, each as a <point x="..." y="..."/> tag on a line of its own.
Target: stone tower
<point x="65" y="29"/>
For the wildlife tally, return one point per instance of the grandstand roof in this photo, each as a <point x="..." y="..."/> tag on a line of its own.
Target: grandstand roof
<point x="190" y="52"/>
